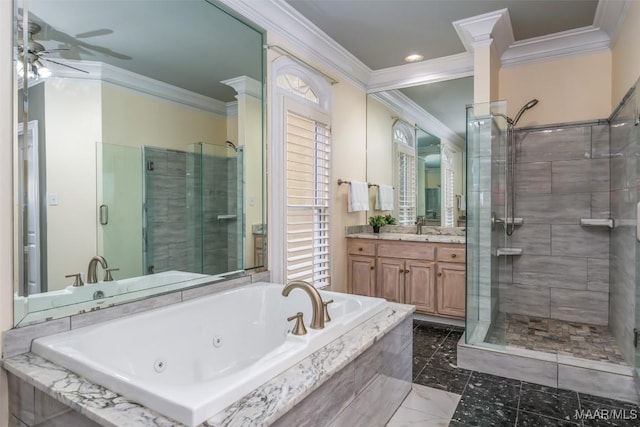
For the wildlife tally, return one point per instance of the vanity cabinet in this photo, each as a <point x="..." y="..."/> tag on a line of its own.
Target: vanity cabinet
<point x="430" y="276"/>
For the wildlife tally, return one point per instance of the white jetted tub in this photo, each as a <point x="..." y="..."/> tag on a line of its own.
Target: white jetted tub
<point x="191" y="360"/>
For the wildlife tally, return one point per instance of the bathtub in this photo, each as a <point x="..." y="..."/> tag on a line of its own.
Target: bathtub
<point x="191" y="360"/>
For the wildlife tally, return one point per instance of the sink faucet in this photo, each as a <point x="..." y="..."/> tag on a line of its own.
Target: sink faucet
<point x="420" y="221"/>
<point x="317" y="320"/>
<point x="91" y="273"/>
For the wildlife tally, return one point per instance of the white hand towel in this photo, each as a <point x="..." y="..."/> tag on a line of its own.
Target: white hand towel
<point x="384" y="198"/>
<point x="463" y="203"/>
<point x="358" y="196"/>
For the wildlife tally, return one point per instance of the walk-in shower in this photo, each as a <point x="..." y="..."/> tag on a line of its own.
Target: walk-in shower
<point x="554" y="302"/>
<point x="510" y="189"/>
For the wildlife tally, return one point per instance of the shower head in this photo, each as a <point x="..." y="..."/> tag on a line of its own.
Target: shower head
<point x="527" y="106"/>
<point x="232" y="145"/>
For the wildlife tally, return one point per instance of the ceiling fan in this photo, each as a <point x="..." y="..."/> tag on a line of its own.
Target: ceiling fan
<point x="35" y="55"/>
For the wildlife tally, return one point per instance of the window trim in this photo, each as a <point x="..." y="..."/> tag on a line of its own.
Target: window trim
<point x="276" y="147"/>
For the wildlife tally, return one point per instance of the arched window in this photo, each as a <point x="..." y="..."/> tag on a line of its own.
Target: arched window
<point x="301" y="171"/>
<point x="405" y="172"/>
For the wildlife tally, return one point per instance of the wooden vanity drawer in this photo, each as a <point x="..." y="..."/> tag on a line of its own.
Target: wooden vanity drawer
<point x="360" y="247"/>
<point x="420" y="251"/>
<point x="451" y="253"/>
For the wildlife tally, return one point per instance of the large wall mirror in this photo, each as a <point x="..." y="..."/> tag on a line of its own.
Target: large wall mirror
<point x="434" y="115"/>
<point x="139" y="164"/>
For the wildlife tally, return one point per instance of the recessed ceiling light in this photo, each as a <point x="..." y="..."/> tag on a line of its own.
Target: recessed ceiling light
<point x="414" y="58"/>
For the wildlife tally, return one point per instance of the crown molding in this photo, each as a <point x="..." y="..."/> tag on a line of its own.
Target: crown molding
<point x="573" y="42"/>
<point x="481" y="29"/>
<point x="277" y="17"/>
<point x="139" y="83"/>
<point x="245" y="86"/>
<point x="610" y="16"/>
<point x="409" y="110"/>
<point x="431" y="71"/>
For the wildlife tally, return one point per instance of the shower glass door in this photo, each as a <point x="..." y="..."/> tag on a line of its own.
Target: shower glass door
<point x="486" y="181"/>
<point x="119" y="190"/>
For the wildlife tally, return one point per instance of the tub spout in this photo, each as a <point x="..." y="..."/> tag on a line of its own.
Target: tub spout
<point x="317" y="319"/>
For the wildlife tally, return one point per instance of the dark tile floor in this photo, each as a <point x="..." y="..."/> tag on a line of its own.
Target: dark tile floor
<point x="488" y="400"/>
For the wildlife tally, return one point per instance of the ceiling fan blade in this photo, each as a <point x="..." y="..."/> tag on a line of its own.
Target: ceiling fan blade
<point x="94" y="33"/>
<point x="44" y="52"/>
<point x="64" y="65"/>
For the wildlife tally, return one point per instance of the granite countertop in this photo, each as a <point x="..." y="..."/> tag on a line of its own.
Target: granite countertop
<point x="433" y="238"/>
<point x="263" y="406"/>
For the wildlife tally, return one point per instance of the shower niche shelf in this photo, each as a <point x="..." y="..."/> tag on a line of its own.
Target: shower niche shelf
<point x="589" y="222"/>
<point x="509" y="251"/>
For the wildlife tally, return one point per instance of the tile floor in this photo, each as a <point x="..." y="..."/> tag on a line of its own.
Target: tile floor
<point x="486" y="400"/>
<point x="592" y="342"/>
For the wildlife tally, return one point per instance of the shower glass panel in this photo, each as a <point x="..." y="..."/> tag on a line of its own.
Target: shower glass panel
<point x="222" y="196"/>
<point x="119" y="192"/>
<point x="486" y="183"/>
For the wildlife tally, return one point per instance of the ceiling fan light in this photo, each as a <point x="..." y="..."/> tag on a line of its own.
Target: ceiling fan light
<point x="44" y="72"/>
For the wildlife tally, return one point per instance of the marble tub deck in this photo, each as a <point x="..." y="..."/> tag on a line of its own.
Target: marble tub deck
<point x="261" y="407"/>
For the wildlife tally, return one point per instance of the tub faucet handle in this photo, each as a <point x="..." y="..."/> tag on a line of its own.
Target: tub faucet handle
<point x="327" y="318"/>
<point x="299" y="328"/>
<point x="107" y="274"/>
<point x="78" y="281"/>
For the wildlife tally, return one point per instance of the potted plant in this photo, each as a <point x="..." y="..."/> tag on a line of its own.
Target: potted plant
<point x="389" y="219"/>
<point x="376" y="222"/>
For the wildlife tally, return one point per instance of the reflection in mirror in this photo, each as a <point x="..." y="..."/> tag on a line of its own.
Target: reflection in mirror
<point x="143" y="152"/>
<point x="428" y="177"/>
<point x="436" y="114"/>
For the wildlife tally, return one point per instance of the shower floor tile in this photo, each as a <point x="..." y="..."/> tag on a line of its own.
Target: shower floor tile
<point x="581" y="340"/>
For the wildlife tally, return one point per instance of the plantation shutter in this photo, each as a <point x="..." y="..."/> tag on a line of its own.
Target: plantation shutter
<point x="308" y="174"/>
<point x="407" y="187"/>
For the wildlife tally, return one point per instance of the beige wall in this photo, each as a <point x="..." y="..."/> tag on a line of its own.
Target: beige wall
<point x="72" y="111"/>
<point x="569" y="89"/>
<point x="379" y="149"/>
<point x="626" y="55"/>
<point x="136" y="119"/>
<point x="349" y="152"/>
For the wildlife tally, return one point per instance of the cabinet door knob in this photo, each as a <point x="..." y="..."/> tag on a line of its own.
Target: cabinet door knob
<point x="372" y="268"/>
<point x="439" y="274"/>
<point x="406" y="271"/>
<point x="453" y="255"/>
<point x="360" y="249"/>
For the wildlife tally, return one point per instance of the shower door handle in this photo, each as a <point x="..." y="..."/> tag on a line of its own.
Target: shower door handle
<point x="638" y="222"/>
<point x="104" y="214"/>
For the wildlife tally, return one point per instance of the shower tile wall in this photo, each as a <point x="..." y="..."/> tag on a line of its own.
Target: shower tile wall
<point x="562" y="175"/>
<point x="624" y="187"/>
<point x="186" y="194"/>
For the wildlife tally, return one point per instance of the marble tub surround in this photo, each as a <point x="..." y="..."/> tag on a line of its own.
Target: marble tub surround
<point x="18" y="340"/>
<point x="263" y="406"/>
